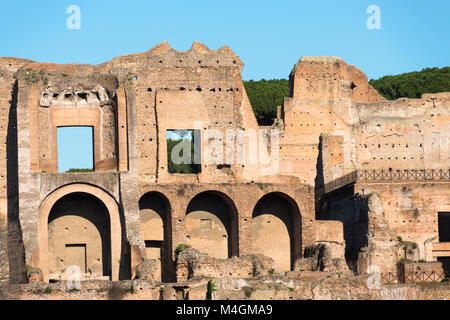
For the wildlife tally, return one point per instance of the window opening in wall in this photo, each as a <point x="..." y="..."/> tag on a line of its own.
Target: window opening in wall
<point x="444" y="226"/>
<point x="75" y="149"/>
<point x="184" y="151"/>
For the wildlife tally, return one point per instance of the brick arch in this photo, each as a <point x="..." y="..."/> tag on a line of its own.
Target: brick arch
<point x="285" y="222"/>
<point x="157" y="234"/>
<point x="114" y="216"/>
<point x="231" y="226"/>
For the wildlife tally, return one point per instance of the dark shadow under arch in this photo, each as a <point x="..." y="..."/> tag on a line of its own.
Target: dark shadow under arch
<point x="221" y="206"/>
<point x="159" y="203"/>
<point x="91" y="208"/>
<point x="283" y="207"/>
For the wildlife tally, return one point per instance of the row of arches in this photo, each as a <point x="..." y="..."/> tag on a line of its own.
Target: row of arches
<point x="212" y="226"/>
<point x="82" y="227"/>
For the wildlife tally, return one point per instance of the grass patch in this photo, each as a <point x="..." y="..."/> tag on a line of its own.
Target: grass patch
<point x="48" y="290"/>
<point x="80" y="170"/>
<point x="248" y="291"/>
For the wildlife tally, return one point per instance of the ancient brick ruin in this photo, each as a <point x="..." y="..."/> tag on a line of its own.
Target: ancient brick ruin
<point x="347" y="164"/>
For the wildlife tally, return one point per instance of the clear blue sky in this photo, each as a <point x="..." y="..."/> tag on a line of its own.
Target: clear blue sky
<point x="75" y="148"/>
<point x="269" y="36"/>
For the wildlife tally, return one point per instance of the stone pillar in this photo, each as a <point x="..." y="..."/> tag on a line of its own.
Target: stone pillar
<point x="28" y="169"/>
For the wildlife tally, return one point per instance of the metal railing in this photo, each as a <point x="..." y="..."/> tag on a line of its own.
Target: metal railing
<point x="384" y="175"/>
<point x="412" y="277"/>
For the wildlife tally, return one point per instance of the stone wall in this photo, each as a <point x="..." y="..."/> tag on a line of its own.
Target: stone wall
<point x="332" y="124"/>
<point x="11" y="247"/>
<point x="411" y="209"/>
<point x="363" y="130"/>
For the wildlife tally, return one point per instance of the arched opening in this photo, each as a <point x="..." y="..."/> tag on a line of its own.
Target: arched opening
<point x="154" y="214"/>
<point x="276" y="230"/>
<point x="211" y="224"/>
<point x="79" y="234"/>
<point x="106" y="205"/>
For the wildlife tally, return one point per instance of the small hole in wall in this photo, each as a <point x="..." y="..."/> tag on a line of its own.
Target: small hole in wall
<point x="149" y="89"/>
<point x="82" y="95"/>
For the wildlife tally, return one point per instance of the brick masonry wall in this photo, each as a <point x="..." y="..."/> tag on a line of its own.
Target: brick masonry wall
<point x="149" y="93"/>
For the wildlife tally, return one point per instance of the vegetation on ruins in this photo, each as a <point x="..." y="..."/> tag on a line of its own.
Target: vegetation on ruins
<point x="266" y="95"/>
<point x="413" y="84"/>
<point x="182" y="167"/>
<point x="211" y="287"/>
<point x="48" y="290"/>
<point x="248" y="291"/>
<point x="180" y="248"/>
<point x="80" y="170"/>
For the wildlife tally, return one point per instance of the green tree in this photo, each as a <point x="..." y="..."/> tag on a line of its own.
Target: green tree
<point x="265" y="96"/>
<point x="182" y="167"/>
<point x="413" y="84"/>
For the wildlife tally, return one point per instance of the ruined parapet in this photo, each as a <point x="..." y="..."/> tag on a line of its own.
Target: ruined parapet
<point x="330" y="78"/>
<point x="323" y="256"/>
<point x="163" y="56"/>
<point x="205" y="89"/>
<point x="262" y="265"/>
<point x="148" y="270"/>
<point x="192" y="263"/>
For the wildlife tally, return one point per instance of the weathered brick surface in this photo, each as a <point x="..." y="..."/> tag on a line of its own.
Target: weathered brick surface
<point x="333" y="123"/>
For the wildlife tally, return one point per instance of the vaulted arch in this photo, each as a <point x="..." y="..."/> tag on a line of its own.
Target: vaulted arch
<point x="276" y="229"/>
<point x="212" y="224"/>
<point x="156" y="231"/>
<point x="111" y="236"/>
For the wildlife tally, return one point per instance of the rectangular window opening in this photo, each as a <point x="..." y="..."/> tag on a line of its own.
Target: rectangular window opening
<point x="444" y="226"/>
<point x="153" y="243"/>
<point x="184" y="151"/>
<point x="75" y="149"/>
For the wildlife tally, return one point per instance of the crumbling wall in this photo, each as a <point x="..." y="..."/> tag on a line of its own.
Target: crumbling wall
<point x="365" y="131"/>
<point x="12" y="264"/>
<point x="403" y="134"/>
<point x="193" y="264"/>
<point x="72" y="95"/>
<point x="411" y="209"/>
<point x="200" y="85"/>
<point x="383" y="245"/>
<point x="330" y="78"/>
